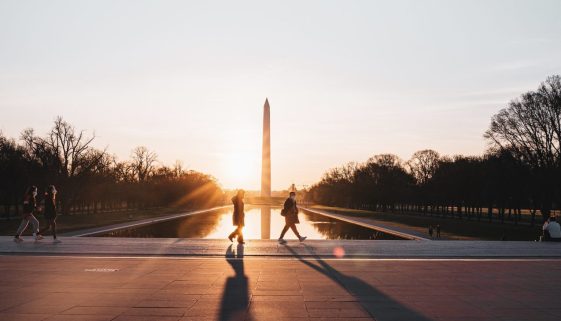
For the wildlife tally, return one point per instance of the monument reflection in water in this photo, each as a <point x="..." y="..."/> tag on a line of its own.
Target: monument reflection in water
<point x="262" y="222"/>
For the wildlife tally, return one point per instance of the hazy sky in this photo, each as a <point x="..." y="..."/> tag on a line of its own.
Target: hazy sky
<point x="345" y="79"/>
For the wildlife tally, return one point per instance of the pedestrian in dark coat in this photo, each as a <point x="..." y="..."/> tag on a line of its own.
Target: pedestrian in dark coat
<point x="290" y="213"/>
<point x="238" y="218"/>
<point x="50" y="211"/>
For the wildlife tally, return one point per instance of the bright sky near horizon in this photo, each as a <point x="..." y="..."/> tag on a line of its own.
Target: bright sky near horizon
<point x="345" y="79"/>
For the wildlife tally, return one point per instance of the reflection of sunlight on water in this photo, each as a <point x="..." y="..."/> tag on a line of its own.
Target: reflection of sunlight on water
<point x="261" y="223"/>
<point x="253" y="227"/>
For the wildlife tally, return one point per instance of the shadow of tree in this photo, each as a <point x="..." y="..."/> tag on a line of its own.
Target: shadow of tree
<point x="235" y="298"/>
<point x="379" y="305"/>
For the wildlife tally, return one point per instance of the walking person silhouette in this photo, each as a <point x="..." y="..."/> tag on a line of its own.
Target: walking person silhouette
<point x="29" y="207"/>
<point x="290" y="213"/>
<point x="238" y="218"/>
<point x="49" y="211"/>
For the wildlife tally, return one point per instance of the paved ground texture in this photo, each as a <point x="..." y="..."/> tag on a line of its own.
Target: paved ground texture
<point x="236" y="287"/>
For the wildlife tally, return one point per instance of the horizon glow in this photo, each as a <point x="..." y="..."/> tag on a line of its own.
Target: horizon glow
<point x="345" y="80"/>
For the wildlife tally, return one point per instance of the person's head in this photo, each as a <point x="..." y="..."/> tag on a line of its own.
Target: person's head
<point x="552" y="219"/>
<point x="241" y="193"/>
<point x="51" y="191"/>
<point x="292" y="195"/>
<point x="31" y="191"/>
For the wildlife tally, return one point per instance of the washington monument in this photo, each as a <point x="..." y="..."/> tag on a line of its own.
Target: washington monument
<point x="266" y="157"/>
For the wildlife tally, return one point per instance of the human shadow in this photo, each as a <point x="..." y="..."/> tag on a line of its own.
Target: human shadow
<point x="374" y="301"/>
<point x="235" y="298"/>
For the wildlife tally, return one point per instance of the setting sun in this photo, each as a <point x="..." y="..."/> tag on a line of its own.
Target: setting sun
<point x="240" y="163"/>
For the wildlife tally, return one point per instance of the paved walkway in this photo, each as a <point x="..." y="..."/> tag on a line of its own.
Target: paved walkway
<point x="344" y="248"/>
<point x="234" y="287"/>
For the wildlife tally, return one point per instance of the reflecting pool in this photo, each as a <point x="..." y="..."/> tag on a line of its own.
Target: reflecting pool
<point x="262" y="222"/>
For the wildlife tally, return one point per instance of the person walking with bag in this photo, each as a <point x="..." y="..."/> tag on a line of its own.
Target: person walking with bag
<point x="238" y="218"/>
<point x="290" y="213"/>
<point x="29" y="207"/>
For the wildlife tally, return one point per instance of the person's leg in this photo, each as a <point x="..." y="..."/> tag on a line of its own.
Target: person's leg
<point x="283" y="232"/>
<point x="53" y="225"/>
<point x="233" y="234"/>
<point x="240" y="234"/>
<point x="22" y="227"/>
<point x="35" y="224"/>
<point x="295" y="230"/>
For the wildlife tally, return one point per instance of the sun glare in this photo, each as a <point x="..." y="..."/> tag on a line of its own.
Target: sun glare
<point x="241" y="170"/>
<point x="241" y="164"/>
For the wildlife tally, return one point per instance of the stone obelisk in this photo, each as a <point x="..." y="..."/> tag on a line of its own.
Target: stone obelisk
<point x="266" y="156"/>
<point x="266" y="173"/>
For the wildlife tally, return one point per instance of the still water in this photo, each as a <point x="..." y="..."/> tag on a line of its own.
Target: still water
<point x="261" y="222"/>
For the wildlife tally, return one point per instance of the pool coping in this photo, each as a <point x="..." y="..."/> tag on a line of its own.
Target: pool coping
<point x="372" y="226"/>
<point x="358" y="249"/>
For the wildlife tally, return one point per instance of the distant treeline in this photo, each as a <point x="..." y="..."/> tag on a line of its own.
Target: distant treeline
<point x="90" y="180"/>
<point x="521" y="171"/>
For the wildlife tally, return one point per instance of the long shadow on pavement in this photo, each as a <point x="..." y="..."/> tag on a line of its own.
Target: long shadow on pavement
<point x="235" y="298"/>
<point x="379" y="305"/>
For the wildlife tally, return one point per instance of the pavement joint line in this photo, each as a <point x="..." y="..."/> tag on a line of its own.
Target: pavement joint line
<point x="494" y="259"/>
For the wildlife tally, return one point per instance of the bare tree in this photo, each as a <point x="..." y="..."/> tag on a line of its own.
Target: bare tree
<point x="72" y="147"/>
<point x="66" y="155"/>
<point x="530" y="127"/>
<point x="143" y="162"/>
<point x="423" y="164"/>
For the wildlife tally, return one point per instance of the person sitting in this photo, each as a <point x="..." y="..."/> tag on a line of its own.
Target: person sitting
<point x="554" y="229"/>
<point x="545" y="233"/>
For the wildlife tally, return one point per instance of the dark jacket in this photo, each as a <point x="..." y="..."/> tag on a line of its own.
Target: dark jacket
<point x="291" y="210"/>
<point x="50" y="207"/>
<point x="29" y="205"/>
<point x="239" y="214"/>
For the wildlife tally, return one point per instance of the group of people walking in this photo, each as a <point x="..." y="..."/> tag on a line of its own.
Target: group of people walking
<point x="30" y="209"/>
<point x="432" y="230"/>
<point x="289" y="211"/>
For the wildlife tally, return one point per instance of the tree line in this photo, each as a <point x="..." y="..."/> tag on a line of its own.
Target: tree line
<point x="91" y="180"/>
<point x="519" y="174"/>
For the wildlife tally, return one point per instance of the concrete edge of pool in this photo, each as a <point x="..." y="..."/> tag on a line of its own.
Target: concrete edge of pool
<point x="401" y="234"/>
<point x="112" y="246"/>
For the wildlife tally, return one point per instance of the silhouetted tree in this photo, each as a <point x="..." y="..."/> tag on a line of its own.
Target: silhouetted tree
<point x="143" y="162"/>
<point x="530" y="128"/>
<point x="90" y="180"/>
<point x="521" y="170"/>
